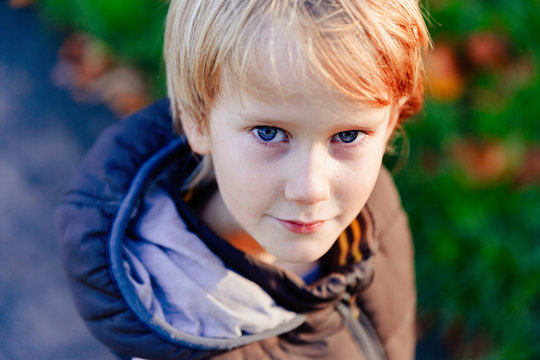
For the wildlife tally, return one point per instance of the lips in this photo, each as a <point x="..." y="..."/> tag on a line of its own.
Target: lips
<point x="300" y="227"/>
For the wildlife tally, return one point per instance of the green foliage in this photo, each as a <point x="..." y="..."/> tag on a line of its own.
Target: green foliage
<point x="476" y="239"/>
<point x="476" y="229"/>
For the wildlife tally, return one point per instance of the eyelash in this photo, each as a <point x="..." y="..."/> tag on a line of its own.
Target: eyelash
<point x="256" y="137"/>
<point x="360" y="136"/>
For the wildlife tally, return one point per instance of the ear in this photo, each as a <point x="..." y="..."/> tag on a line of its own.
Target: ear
<point x="197" y="135"/>
<point x="394" y="116"/>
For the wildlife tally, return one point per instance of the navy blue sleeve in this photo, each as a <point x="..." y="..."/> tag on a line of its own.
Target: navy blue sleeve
<point x="83" y="222"/>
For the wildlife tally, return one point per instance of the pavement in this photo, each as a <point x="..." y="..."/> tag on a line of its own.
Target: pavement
<point x="44" y="134"/>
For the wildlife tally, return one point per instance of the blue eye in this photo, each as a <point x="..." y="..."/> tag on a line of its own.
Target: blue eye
<point x="266" y="133"/>
<point x="347" y="136"/>
<point x="269" y="133"/>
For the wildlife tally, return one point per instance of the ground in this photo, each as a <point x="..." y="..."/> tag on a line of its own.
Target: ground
<point x="43" y="136"/>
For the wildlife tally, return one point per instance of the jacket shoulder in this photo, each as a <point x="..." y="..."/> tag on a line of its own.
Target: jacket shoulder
<point x="108" y="167"/>
<point x="383" y="207"/>
<point x="391" y="298"/>
<point x="83" y="222"/>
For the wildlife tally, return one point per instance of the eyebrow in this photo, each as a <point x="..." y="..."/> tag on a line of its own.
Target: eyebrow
<point x="368" y="121"/>
<point x="270" y="121"/>
<point x="365" y="121"/>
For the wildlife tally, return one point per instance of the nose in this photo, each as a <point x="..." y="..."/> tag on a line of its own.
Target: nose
<point x="308" y="180"/>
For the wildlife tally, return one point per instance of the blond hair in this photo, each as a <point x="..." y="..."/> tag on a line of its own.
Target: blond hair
<point x="368" y="51"/>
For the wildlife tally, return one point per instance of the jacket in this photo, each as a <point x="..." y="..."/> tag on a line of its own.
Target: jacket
<point x="141" y="265"/>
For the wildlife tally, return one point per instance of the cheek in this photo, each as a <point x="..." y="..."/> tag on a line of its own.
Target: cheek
<point x="353" y="191"/>
<point x="357" y="179"/>
<point x="246" y="185"/>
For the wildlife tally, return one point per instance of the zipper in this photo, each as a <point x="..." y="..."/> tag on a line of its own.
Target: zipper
<point x="362" y="331"/>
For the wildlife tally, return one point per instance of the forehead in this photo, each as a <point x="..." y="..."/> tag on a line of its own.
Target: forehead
<point x="292" y="101"/>
<point x="277" y="70"/>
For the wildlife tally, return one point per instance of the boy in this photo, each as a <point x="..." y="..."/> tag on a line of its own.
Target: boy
<point x="284" y="240"/>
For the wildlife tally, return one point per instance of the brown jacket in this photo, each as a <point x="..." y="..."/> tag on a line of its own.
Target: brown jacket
<point x="391" y="298"/>
<point x="92" y="224"/>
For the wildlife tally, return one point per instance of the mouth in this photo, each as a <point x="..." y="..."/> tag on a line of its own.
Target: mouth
<point x="301" y="227"/>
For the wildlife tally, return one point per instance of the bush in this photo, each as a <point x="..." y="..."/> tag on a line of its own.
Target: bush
<point x="471" y="187"/>
<point x="133" y="28"/>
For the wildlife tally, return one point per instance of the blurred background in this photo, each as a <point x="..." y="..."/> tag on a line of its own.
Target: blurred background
<point x="470" y="182"/>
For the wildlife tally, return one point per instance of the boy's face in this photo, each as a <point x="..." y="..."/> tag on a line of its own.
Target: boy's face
<point x="294" y="171"/>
